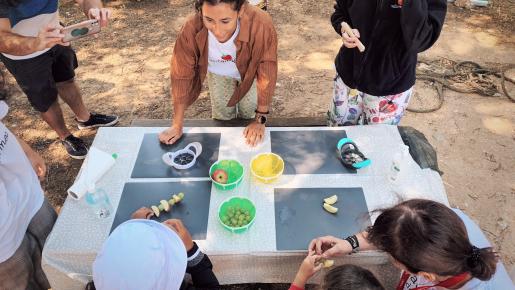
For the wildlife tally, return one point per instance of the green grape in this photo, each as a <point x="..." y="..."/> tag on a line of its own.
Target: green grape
<point x="241" y="217"/>
<point x="225" y="219"/>
<point x="234" y="221"/>
<point x="248" y="219"/>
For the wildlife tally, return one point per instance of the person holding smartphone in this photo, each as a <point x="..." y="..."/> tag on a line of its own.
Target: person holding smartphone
<point x="32" y="49"/>
<point x="374" y="86"/>
<point x="234" y="45"/>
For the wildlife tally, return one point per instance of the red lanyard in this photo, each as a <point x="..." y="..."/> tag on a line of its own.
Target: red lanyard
<point x="449" y="283"/>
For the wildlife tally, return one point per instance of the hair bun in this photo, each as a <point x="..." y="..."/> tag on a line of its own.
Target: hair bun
<point x="474" y="257"/>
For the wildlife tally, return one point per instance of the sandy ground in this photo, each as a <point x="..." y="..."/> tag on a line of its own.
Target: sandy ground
<point x="125" y="71"/>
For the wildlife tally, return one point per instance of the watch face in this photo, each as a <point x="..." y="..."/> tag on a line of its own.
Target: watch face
<point x="262" y="119"/>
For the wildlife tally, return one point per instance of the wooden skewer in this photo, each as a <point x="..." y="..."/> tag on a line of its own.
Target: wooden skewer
<point x="348" y="30"/>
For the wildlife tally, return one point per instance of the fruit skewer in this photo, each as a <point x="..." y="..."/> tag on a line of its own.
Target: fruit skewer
<point x="167" y="205"/>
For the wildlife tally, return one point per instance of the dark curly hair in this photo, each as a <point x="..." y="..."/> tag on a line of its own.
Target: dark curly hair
<point x="236" y="4"/>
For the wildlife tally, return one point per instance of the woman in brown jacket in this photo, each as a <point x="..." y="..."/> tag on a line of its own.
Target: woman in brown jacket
<point x="234" y="44"/>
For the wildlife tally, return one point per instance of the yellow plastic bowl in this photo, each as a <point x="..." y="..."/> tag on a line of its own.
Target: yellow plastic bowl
<point x="267" y="167"/>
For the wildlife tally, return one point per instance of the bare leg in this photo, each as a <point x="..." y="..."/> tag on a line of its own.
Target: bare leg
<point x="54" y="118"/>
<point x="70" y="93"/>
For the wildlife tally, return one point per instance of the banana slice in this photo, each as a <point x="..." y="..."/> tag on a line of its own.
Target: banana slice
<point x="171" y="201"/>
<point x="160" y="207"/>
<point x="155" y="209"/>
<point x="176" y="198"/>
<point x="330" y="208"/>
<point x="165" y="205"/>
<point x="328" y="263"/>
<point x="331" y="200"/>
<point x="181" y="195"/>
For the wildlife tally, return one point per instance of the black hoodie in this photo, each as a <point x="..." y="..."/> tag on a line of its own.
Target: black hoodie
<point x="393" y="36"/>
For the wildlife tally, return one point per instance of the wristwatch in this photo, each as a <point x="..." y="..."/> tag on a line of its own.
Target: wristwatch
<point x="261" y="119"/>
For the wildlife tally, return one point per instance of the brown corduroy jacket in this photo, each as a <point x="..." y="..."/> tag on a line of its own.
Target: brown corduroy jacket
<point x="256" y="57"/>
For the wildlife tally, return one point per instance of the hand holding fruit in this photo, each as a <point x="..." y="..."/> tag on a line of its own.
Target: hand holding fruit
<point x="178" y="227"/>
<point x="142" y="213"/>
<point x="330" y="246"/>
<point x="307" y="269"/>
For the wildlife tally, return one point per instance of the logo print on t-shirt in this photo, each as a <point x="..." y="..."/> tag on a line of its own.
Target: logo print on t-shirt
<point x="3" y="142"/>
<point x="227" y="57"/>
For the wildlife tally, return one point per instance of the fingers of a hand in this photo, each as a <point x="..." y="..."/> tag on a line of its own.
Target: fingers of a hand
<point x="94" y="13"/>
<point x="312" y="245"/>
<point x="356" y="33"/>
<point x="103" y="17"/>
<point x="252" y="138"/>
<point x="173" y="139"/>
<point x="350" y="44"/>
<point x="51" y="27"/>
<point x="55" y="33"/>
<point x="331" y="252"/>
<point x="164" y="136"/>
<point x="259" y="137"/>
<point x="42" y="169"/>
<point x="245" y="132"/>
<point x="346" y="37"/>
<point x="177" y="224"/>
<point x="318" y="267"/>
<point x="319" y="246"/>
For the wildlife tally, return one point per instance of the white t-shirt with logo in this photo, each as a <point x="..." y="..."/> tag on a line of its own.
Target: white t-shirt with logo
<point x="500" y="281"/>
<point x="222" y="56"/>
<point x="21" y="195"/>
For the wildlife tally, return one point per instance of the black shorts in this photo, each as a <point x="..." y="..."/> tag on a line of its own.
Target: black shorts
<point x="37" y="76"/>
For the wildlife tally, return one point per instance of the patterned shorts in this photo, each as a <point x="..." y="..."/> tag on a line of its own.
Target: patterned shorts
<point x="23" y="269"/>
<point x="352" y="107"/>
<point x="221" y="89"/>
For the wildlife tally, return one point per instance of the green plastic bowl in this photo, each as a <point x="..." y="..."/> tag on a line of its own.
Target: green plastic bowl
<point x="234" y="171"/>
<point x="241" y="202"/>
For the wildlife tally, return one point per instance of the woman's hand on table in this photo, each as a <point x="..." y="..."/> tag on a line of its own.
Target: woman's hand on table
<point x="178" y="227"/>
<point x="171" y="135"/>
<point x="143" y="213"/>
<point x="330" y="246"/>
<point x="254" y="133"/>
<point x="307" y="269"/>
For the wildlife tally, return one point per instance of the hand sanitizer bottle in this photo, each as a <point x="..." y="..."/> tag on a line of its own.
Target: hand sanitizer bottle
<point x="397" y="163"/>
<point x="98" y="200"/>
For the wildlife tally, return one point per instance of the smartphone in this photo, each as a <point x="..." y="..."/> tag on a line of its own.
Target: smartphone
<point x="80" y="30"/>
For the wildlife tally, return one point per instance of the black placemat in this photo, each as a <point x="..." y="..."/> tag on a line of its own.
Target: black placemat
<point x="309" y="152"/>
<point x="193" y="210"/>
<point x="300" y="217"/>
<point x="149" y="163"/>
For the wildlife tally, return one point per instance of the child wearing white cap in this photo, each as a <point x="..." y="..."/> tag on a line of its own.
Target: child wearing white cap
<point x="143" y="254"/>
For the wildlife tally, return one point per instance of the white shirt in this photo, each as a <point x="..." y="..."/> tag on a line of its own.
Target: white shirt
<point x="222" y="56"/>
<point x="500" y="281"/>
<point x="21" y="195"/>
